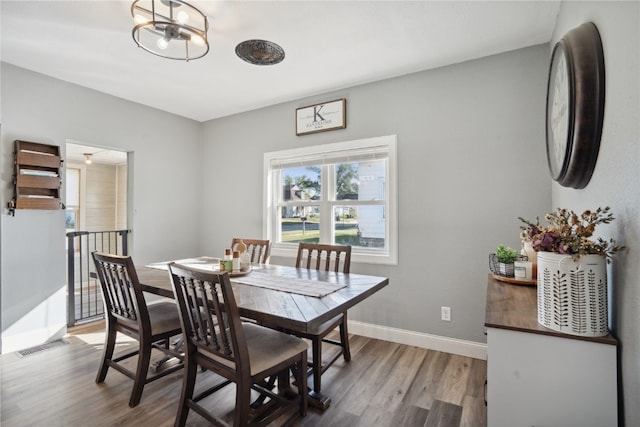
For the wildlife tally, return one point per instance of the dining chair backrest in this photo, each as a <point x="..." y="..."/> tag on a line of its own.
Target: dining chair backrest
<point x="123" y="298"/>
<point x="318" y="256"/>
<point x="257" y="248"/>
<point x="247" y="354"/>
<point x="209" y="315"/>
<point x="126" y="312"/>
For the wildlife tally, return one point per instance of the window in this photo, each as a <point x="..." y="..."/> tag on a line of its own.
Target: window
<point x="343" y="193"/>
<point x="72" y="201"/>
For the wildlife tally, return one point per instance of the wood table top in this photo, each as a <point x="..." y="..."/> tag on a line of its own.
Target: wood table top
<point x="284" y="309"/>
<point x="515" y="307"/>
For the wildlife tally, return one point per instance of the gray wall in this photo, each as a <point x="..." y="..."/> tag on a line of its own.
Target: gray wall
<point x="616" y="178"/>
<point x="165" y="187"/>
<point x="471" y="159"/>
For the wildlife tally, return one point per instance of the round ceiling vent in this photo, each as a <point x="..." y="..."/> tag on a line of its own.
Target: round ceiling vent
<point x="260" y="52"/>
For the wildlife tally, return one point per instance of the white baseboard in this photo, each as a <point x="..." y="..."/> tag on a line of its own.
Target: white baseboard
<point x="418" y="339"/>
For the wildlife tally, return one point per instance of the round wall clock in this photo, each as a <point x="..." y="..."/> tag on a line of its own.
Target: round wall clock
<point x="575" y="106"/>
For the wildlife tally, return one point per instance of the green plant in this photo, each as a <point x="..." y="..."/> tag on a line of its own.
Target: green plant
<point x="569" y="233"/>
<point x="505" y="254"/>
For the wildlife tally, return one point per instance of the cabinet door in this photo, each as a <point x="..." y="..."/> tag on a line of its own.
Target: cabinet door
<point x="540" y="380"/>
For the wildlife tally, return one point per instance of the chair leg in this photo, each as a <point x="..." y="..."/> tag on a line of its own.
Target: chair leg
<point x="107" y="354"/>
<point x="301" y="378"/>
<point x="344" y="339"/>
<point x="144" y="358"/>
<point x="188" y="384"/>
<point x="243" y="403"/>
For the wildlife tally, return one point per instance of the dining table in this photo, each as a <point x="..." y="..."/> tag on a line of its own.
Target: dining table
<point x="280" y="296"/>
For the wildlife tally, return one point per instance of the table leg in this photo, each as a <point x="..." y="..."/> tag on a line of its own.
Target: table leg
<point x="318" y="400"/>
<point x="169" y="361"/>
<point x="268" y="383"/>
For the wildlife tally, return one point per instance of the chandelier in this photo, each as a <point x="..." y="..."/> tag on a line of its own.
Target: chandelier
<point x="171" y="29"/>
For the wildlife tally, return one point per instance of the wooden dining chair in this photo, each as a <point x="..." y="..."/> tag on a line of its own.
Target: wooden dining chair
<point x="326" y="258"/>
<point x="246" y="354"/>
<point x="258" y="249"/>
<point x="127" y="312"/>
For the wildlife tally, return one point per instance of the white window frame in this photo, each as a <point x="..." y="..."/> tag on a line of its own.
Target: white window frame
<point x="389" y="255"/>
<point x="82" y="207"/>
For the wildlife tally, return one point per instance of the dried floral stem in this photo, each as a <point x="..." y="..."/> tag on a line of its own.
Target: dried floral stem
<point x="570" y="233"/>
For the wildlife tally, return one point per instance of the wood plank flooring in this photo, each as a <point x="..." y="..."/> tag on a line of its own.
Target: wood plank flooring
<point x="385" y="384"/>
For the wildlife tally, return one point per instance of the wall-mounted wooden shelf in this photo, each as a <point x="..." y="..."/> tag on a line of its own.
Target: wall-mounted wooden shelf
<point x="37" y="176"/>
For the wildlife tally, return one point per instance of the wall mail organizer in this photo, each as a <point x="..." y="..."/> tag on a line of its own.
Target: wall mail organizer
<point x="36" y="179"/>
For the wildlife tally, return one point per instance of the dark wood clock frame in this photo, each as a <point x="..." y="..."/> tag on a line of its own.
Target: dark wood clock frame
<point x="581" y="49"/>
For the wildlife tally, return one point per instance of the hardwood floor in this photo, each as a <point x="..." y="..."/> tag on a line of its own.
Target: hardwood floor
<point x="385" y="384"/>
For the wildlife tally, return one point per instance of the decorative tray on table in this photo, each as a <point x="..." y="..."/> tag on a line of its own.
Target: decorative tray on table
<point x="508" y="274"/>
<point x="514" y="280"/>
<point x="239" y="273"/>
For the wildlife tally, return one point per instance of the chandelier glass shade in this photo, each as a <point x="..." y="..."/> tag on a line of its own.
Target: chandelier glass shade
<point x="171" y="29"/>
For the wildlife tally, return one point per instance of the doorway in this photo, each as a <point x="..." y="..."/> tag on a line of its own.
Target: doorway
<point x="96" y="195"/>
<point x="96" y="206"/>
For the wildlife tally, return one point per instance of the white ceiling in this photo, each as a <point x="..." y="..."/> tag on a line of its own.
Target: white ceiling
<point x="329" y="45"/>
<point x="76" y="153"/>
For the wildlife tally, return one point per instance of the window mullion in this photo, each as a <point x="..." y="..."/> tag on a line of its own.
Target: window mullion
<point x="275" y="208"/>
<point x="328" y="194"/>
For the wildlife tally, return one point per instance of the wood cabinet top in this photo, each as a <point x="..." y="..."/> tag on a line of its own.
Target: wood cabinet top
<point x="515" y="307"/>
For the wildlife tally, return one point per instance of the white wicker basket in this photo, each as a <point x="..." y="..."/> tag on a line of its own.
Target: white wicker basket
<point x="572" y="296"/>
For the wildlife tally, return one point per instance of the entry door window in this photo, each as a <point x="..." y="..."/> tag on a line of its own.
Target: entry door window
<point x="72" y="202"/>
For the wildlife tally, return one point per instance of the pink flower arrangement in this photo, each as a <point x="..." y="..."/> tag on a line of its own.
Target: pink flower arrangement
<point x="570" y="233"/>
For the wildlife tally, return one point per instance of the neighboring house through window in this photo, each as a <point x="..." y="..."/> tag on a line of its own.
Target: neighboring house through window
<point x="342" y="193"/>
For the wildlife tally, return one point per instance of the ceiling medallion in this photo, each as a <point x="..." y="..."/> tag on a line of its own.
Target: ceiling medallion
<point x="260" y="52"/>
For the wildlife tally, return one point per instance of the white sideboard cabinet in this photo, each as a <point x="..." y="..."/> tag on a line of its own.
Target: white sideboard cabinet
<point x="540" y="377"/>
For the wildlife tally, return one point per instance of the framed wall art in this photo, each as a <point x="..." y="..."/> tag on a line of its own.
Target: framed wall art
<point x="321" y="117"/>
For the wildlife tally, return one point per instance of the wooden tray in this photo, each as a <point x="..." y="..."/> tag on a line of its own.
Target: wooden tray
<point x="216" y="268"/>
<point x="238" y="273"/>
<point x="515" y="281"/>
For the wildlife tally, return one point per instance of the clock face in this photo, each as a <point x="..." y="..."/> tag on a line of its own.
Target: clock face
<point x="558" y="113"/>
<point x="575" y="106"/>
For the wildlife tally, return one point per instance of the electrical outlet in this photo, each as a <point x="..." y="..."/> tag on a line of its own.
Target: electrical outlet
<point x="446" y="313"/>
